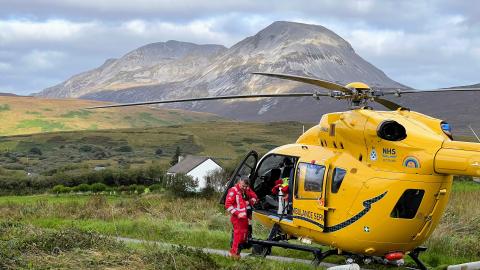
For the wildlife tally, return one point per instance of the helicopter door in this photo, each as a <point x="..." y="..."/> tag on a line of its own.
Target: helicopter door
<point x="247" y="167"/>
<point x="309" y="195"/>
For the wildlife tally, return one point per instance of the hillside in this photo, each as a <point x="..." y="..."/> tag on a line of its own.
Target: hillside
<point x="225" y="141"/>
<point x="24" y="115"/>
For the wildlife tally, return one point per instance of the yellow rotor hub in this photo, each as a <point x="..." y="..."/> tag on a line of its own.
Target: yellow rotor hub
<point x="357" y="85"/>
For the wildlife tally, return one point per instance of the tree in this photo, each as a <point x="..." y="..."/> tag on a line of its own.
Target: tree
<point x="35" y="151"/>
<point x="175" y="156"/>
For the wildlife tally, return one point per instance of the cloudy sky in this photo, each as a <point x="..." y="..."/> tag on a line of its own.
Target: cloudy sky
<point x="423" y="44"/>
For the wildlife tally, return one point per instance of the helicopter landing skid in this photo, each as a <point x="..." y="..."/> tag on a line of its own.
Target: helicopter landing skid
<point x="264" y="247"/>
<point x="414" y="255"/>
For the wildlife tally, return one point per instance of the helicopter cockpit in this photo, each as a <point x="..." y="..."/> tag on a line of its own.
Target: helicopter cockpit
<point x="272" y="168"/>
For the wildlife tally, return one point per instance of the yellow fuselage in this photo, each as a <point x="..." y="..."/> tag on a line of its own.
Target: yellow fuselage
<point x="358" y="218"/>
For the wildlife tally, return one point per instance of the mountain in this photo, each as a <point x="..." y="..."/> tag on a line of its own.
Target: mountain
<point x="8" y="94"/>
<point x="177" y="69"/>
<point x="161" y="62"/>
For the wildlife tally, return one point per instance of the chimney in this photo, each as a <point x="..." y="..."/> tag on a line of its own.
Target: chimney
<point x="180" y="158"/>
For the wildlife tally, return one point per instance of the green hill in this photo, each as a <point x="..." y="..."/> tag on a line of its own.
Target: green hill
<point x="26" y="115"/>
<point x="225" y="141"/>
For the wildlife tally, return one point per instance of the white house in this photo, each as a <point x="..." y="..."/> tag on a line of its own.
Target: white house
<point x="196" y="167"/>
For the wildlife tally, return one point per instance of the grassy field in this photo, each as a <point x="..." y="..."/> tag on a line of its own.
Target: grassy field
<point x="201" y="222"/>
<point x="224" y="141"/>
<point x="28" y="247"/>
<point x="26" y="115"/>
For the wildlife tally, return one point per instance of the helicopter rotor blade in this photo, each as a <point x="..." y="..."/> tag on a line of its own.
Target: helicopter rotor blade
<point x="474" y="133"/>
<point x="316" y="94"/>
<point x="317" y="82"/>
<point x="439" y="90"/>
<point x="387" y="103"/>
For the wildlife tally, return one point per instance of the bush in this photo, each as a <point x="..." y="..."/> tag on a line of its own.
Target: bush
<point x="35" y="151"/>
<point x="58" y="189"/>
<point x="159" y="151"/>
<point x="139" y="189"/>
<point x="216" y="180"/>
<point x="82" y="188"/>
<point x="155" y="187"/>
<point x="85" y="148"/>
<point x="181" y="185"/>
<point x="98" y="187"/>
<point x="124" y="148"/>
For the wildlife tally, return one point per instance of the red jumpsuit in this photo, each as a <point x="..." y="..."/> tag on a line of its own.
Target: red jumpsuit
<point x="237" y="203"/>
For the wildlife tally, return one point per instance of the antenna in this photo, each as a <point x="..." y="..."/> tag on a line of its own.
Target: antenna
<point x="478" y="139"/>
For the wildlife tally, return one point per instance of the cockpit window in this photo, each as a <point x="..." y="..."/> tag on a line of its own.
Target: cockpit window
<point x="408" y="204"/>
<point x="338" y="175"/>
<point x="309" y="181"/>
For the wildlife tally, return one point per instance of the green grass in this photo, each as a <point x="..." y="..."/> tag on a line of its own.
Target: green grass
<point x="33" y="113"/>
<point x="202" y="222"/>
<point x="29" y="247"/>
<point x="84" y="114"/>
<point x="466" y="186"/>
<point x="4" y="107"/>
<point x="43" y="125"/>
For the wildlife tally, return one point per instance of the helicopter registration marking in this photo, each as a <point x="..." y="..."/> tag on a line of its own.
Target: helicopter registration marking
<point x="307" y="214"/>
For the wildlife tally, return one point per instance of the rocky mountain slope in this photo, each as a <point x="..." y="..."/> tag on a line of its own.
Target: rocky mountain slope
<point x="177" y="70"/>
<point x="155" y="63"/>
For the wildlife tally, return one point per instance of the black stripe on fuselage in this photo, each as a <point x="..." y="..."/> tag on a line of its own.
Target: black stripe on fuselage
<point x="367" y="204"/>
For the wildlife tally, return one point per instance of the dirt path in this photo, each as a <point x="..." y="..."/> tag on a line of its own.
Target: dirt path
<point x="223" y="252"/>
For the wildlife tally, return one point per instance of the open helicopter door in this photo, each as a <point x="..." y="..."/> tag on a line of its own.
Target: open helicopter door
<point x="308" y="208"/>
<point x="246" y="168"/>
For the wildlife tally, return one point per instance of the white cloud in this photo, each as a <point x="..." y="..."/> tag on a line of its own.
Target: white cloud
<point x="42" y="60"/>
<point x="420" y="43"/>
<point x="12" y="31"/>
<point x="199" y="31"/>
<point x="5" y="66"/>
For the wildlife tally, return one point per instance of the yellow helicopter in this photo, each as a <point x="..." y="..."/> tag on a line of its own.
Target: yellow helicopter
<point x="368" y="184"/>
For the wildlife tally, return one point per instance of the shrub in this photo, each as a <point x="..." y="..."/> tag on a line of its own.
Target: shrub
<point x="98" y="187"/>
<point x="216" y="180"/>
<point x="35" y="151"/>
<point x="14" y="166"/>
<point x="58" y="189"/>
<point x="181" y="185"/>
<point x="124" y="148"/>
<point x="159" y="151"/>
<point x="85" y="148"/>
<point x="155" y="187"/>
<point x="82" y="188"/>
<point x="139" y="189"/>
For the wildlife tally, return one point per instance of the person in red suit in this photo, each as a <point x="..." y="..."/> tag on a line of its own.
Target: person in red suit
<point x="239" y="201"/>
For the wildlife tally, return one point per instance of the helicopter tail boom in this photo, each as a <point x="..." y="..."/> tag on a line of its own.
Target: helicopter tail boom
<point x="458" y="158"/>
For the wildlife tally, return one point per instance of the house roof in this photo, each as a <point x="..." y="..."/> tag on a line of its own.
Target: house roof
<point x="188" y="163"/>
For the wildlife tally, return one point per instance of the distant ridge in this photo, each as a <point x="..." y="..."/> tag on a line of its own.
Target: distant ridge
<point x="9" y="94"/>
